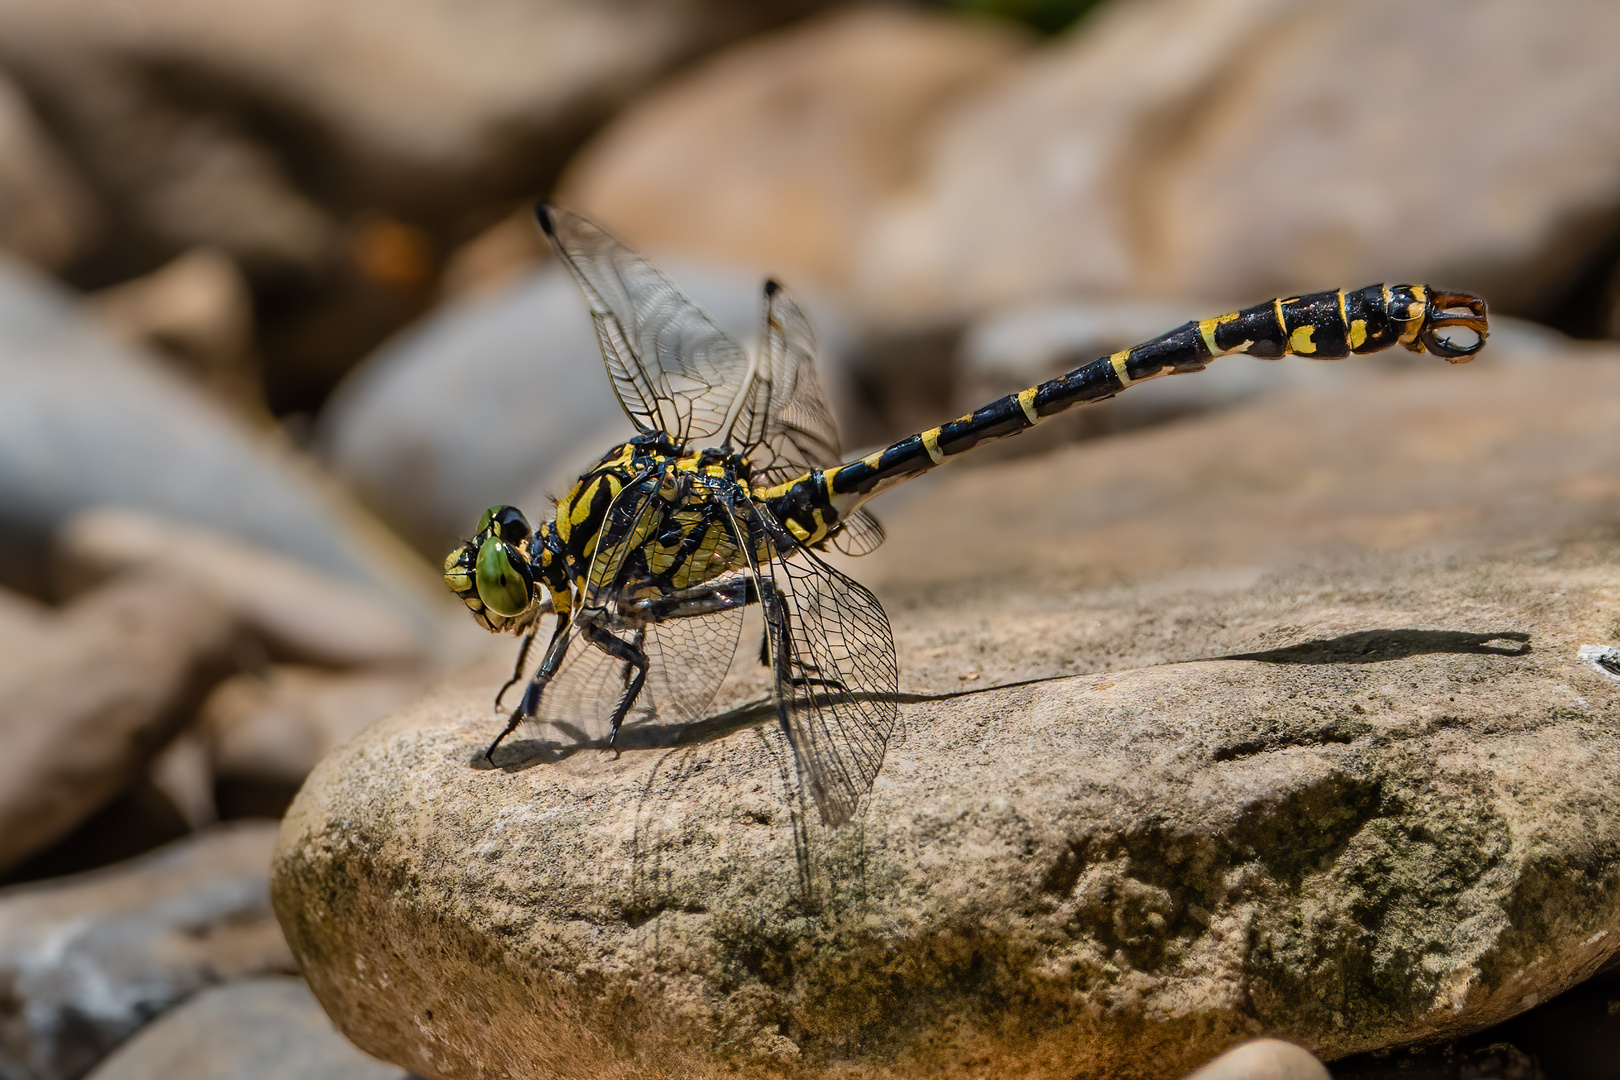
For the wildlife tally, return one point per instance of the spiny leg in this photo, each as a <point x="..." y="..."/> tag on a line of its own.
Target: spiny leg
<point x="633" y="657"/>
<point x="517" y="670"/>
<point x="640" y="646"/>
<point x="778" y="633"/>
<point x="776" y="618"/>
<point x="530" y="705"/>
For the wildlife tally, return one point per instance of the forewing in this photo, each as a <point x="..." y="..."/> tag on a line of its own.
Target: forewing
<point x="836" y="678"/>
<point x="673" y="369"/>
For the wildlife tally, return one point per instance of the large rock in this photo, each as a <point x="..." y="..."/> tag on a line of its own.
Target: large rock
<point x="88" y="961"/>
<point x="1266" y="723"/>
<point x="778" y="152"/>
<point x="1254" y="147"/>
<point x="503" y="396"/>
<point x="90" y="697"/>
<point x="87" y="423"/>
<point x="265" y="1029"/>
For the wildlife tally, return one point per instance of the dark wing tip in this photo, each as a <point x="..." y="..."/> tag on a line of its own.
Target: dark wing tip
<point x="772" y="286"/>
<point x="542" y="214"/>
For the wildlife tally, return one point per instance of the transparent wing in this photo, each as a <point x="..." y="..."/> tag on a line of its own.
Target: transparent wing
<point x="673" y="369"/>
<point x="862" y="534"/>
<point x="785" y="426"/>
<point x="687" y="661"/>
<point x="836" y="677"/>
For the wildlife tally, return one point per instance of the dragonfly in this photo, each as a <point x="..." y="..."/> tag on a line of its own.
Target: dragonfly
<point x="734" y="487"/>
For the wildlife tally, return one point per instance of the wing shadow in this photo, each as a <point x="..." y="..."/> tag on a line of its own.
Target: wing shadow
<point x="1375" y="646"/>
<point x="1359" y="647"/>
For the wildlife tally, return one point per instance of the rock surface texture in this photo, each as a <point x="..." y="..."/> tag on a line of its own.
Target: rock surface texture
<point x="1269" y="723"/>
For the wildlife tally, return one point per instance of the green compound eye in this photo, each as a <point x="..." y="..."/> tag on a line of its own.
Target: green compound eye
<point x="506" y="522"/>
<point x="504" y="582"/>
<point x="510" y="524"/>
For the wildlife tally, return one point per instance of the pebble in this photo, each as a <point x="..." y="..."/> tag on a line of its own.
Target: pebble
<point x="1263" y="1059"/>
<point x="262" y="1029"/>
<point x="92" y="698"/>
<point x="87" y="423"/>
<point x="88" y="961"/>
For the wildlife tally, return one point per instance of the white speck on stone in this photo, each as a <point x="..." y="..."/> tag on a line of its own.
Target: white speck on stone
<point x="1604" y="659"/>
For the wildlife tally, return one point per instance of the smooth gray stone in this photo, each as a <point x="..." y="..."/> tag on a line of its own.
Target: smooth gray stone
<point x="491" y="397"/>
<point x="87" y="422"/>
<point x="87" y="961"/>
<point x="264" y="1029"/>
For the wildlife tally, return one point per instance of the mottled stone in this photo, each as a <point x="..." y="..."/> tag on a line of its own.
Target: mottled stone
<point x="87" y="961"/>
<point x="45" y="212"/>
<point x="295" y="612"/>
<point x="421" y="105"/>
<point x="1268" y="723"/>
<point x="86" y="422"/>
<point x="195" y="311"/>
<point x="264" y="1029"/>
<point x="262" y="733"/>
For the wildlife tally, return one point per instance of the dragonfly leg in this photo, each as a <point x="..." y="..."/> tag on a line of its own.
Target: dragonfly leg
<point x="530" y="705"/>
<point x="696" y="601"/>
<point x="633" y="658"/>
<point x="776" y="622"/>
<point x="517" y="670"/>
<point x="640" y="646"/>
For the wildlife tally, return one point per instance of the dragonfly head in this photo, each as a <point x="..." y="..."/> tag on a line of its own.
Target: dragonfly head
<point x="491" y="571"/>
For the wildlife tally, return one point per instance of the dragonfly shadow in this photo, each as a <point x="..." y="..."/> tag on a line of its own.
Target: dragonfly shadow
<point x="1376" y="646"/>
<point x="1360" y="647"/>
<point x="564" y="740"/>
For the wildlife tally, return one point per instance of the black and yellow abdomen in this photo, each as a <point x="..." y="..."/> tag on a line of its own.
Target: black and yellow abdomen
<point x="1322" y="326"/>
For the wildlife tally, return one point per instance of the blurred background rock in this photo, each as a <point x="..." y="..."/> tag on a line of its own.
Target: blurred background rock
<point x="275" y="323"/>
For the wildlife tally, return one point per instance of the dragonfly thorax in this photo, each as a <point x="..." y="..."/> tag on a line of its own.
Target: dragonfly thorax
<point x="674" y="519"/>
